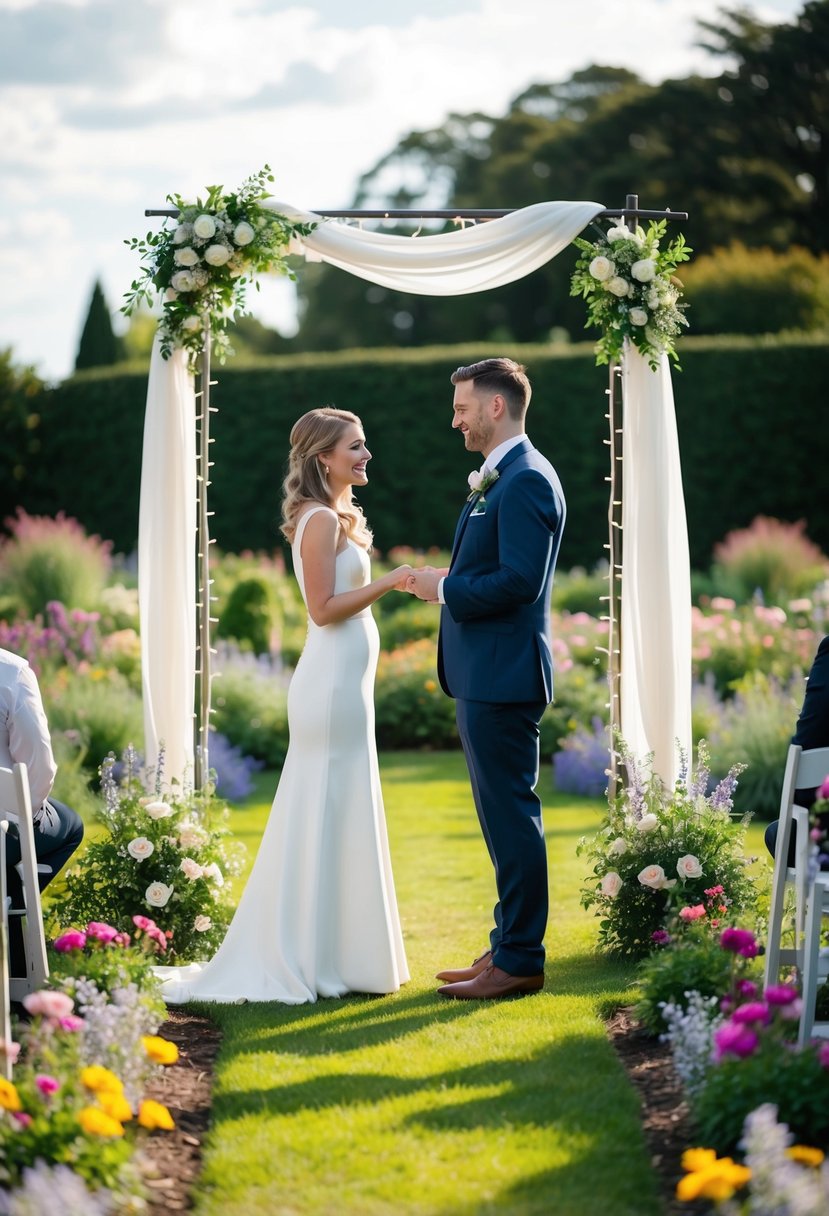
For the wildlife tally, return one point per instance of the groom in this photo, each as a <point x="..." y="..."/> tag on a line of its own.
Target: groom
<point x="494" y="658"/>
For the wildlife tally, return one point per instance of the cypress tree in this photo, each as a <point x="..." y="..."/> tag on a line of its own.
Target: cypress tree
<point x="99" y="345"/>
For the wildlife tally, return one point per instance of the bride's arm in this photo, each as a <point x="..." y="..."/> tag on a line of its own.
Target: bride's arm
<point x="319" y="554"/>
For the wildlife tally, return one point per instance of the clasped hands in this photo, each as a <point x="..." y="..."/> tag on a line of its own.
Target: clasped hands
<point x="422" y="582"/>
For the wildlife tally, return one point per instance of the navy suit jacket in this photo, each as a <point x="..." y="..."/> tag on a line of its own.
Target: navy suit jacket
<point x="494" y="641"/>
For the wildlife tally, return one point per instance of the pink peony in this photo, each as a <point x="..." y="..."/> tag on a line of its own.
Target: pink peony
<point x="739" y="941"/>
<point x="747" y="988"/>
<point x="733" y="1039"/>
<point x="48" y="1004"/>
<point x="754" y="1011"/>
<point x="689" y="912"/>
<point x="780" y="994"/>
<point x="144" y="922"/>
<point x="72" y="939"/>
<point x="101" y="932"/>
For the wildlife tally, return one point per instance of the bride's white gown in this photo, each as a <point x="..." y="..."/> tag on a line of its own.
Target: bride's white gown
<point x="318" y="916"/>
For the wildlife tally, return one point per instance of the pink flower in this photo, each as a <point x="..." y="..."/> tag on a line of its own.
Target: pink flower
<point x="823" y="1055"/>
<point x="712" y="891"/>
<point x="48" y="1004"/>
<point x="823" y="792"/>
<point x="144" y="922"/>
<point x="660" y="937"/>
<point x="733" y="1039"/>
<point x="9" y="1049"/>
<point x="781" y="994"/>
<point x="72" y="939"/>
<point x="689" y="913"/>
<point x="22" y="1118"/>
<point x="71" y="1023"/>
<point x="101" y="932"/>
<point x="46" y="1084"/>
<point x="754" y="1011"/>
<point x="746" y="988"/>
<point x="739" y="941"/>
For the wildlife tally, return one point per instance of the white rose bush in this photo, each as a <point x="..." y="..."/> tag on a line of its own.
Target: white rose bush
<point x="163" y="858"/>
<point x="631" y="290"/>
<point x="202" y="265"/>
<point x="658" y="852"/>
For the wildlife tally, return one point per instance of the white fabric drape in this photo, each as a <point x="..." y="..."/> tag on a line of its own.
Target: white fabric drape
<point x="167" y="564"/>
<point x="656" y="580"/>
<point x="656" y="652"/>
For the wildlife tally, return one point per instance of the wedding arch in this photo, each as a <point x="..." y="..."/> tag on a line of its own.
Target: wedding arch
<point x="649" y="602"/>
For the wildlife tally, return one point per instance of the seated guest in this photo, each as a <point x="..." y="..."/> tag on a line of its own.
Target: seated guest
<point x="58" y="830"/>
<point x="812" y="731"/>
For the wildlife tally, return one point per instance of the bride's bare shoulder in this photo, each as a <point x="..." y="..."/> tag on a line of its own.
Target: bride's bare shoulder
<point x="310" y="506"/>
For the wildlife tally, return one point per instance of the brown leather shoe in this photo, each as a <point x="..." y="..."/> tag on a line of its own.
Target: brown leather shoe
<point x="492" y="984"/>
<point x="467" y="973"/>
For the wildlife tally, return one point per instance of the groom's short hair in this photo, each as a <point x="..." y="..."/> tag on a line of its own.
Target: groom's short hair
<point x="503" y="376"/>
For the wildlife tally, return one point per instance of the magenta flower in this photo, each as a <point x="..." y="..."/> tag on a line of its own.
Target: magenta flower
<point x="823" y="792"/>
<point x="823" y="1055"/>
<point x="746" y="988"/>
<point x="733" y="1039"/>
<point x="101" y="932"/>
<point x="71" y="1023"/>
<point x="660" y="937"/>
<point x="754" y="1011"/>
<point x="73" y="939"/>
<point x="46" y="1084"/>
<point x="21" y="1117"/>
<point x="781" y="994"/>
<point x="739" y="941"/>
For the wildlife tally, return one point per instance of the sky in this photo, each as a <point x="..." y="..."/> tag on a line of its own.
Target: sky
<point x="108" y="106"/>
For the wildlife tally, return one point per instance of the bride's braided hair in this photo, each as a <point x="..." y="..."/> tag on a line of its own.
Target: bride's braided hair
<point x="312" y="435"/>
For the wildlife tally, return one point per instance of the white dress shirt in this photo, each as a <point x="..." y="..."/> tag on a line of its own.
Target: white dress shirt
<point x="24" y="731"/>
<point x="488" y="466"/>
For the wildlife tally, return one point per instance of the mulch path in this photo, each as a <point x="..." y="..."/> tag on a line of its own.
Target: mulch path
<point x="174" y="1158"/>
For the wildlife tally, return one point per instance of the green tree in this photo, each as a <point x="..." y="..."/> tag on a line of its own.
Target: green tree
<point x="99" y="346"/>
<point x="20" y="394"/>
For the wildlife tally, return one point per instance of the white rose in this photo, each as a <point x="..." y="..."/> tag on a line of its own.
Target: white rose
<point x="618" y="286"/>
<point x="204" y="226"/>
<point x="602" y="269"/>
<point x="191" y="323"/>
<point x="644" y="270"/>
<point x="243" y="234"/>
<point x="475" y="480"/>
<point x="158" y="810"/>
<point x="191" y="838"/>
<point x="216" y="255"/>
<point x="202" y="923"/>
<point x="653" y="877"/>
<point x="619" y="845"/>
<point x="647" y="823"/>
<point x="186" y="256"/>
<point x="619" y="233"/>
<point x="638" y="316"/>
<point x="183" y="234"/>
<point x="689" y="867"/>
<point x="169" y="294"/>
<point x="158" y="894"/>
<point x="611" y="884"/>
<point x="140" y="847"/>
<point x="213" y="871"/>
<point x="191" y="868"/>
<point x="182" y="280"/>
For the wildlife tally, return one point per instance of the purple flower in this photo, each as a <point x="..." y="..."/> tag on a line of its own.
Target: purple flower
<point x="780" y="994"/>
<point x="733" y="1039"/>
<point x="754" y="1011"/>
<point x="823" y="792"/>
<point x="72" y="939"/>
<point x="660" y="937"/>
<point x="823" y="1055"/>
<point x="739" y="941"/>
<point x="747" y="988"/>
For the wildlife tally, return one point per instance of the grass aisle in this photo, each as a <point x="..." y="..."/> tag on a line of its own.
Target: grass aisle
<point x="414" y="1104"/>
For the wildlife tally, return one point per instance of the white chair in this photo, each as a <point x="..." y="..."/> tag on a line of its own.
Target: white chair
<point x="16" y="807"/>
<point x="814" y="967"/>
<point x="804" y="770"/>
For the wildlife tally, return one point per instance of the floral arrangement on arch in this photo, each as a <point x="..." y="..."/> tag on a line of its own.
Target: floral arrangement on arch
<point x="202" y="267"/>
<point x="159" y="867"/>
<point x="658" y="847"/>
<point x="631" y="290"/>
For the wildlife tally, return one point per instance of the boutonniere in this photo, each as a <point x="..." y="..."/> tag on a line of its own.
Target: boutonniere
<point x="479" y="485"/>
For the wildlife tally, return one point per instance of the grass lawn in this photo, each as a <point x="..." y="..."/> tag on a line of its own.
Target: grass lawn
<point x="414" y="1104"/>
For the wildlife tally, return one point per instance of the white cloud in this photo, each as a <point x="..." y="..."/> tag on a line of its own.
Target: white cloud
<point x="106" y="107"/>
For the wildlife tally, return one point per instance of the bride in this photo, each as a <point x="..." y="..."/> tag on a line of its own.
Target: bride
<point x="318" y="917"/>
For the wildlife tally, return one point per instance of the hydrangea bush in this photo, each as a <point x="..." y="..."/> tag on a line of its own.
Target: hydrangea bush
<point x="162" y="857"/>
<point x="656" y="846"/>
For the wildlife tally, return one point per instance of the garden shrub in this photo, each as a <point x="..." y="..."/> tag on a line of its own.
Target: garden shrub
<point x="771" y="558"/>
<point x="411" y="710"/>
<point x="729" y="641"/>
<point x="51" y="559"/>
<point x="407" y="622"/>
<point x="251" y="615"/>
<point x="689" y="960"/>
<point x="250" y="700"/>
<point x="97" y="706"/>
<point x="580" y="697"/>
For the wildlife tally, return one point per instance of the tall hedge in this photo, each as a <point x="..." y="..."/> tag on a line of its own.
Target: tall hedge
<point x="750" y="413"/>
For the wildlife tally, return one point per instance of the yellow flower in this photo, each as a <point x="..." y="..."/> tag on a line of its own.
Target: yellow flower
<point x="161" y="1051"/>
<point x="100" y="1080"/>
<point x="96" y="1122"/>
<point x="698" y="1158"/>
<point x="153" y="1114"/>
<point x="116" y="1106"/>
<point x="712" y="1179"/>
<point x="430" y="686"/>
<point x="9" y="1097"/>
<point x="805" y="1155"/>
